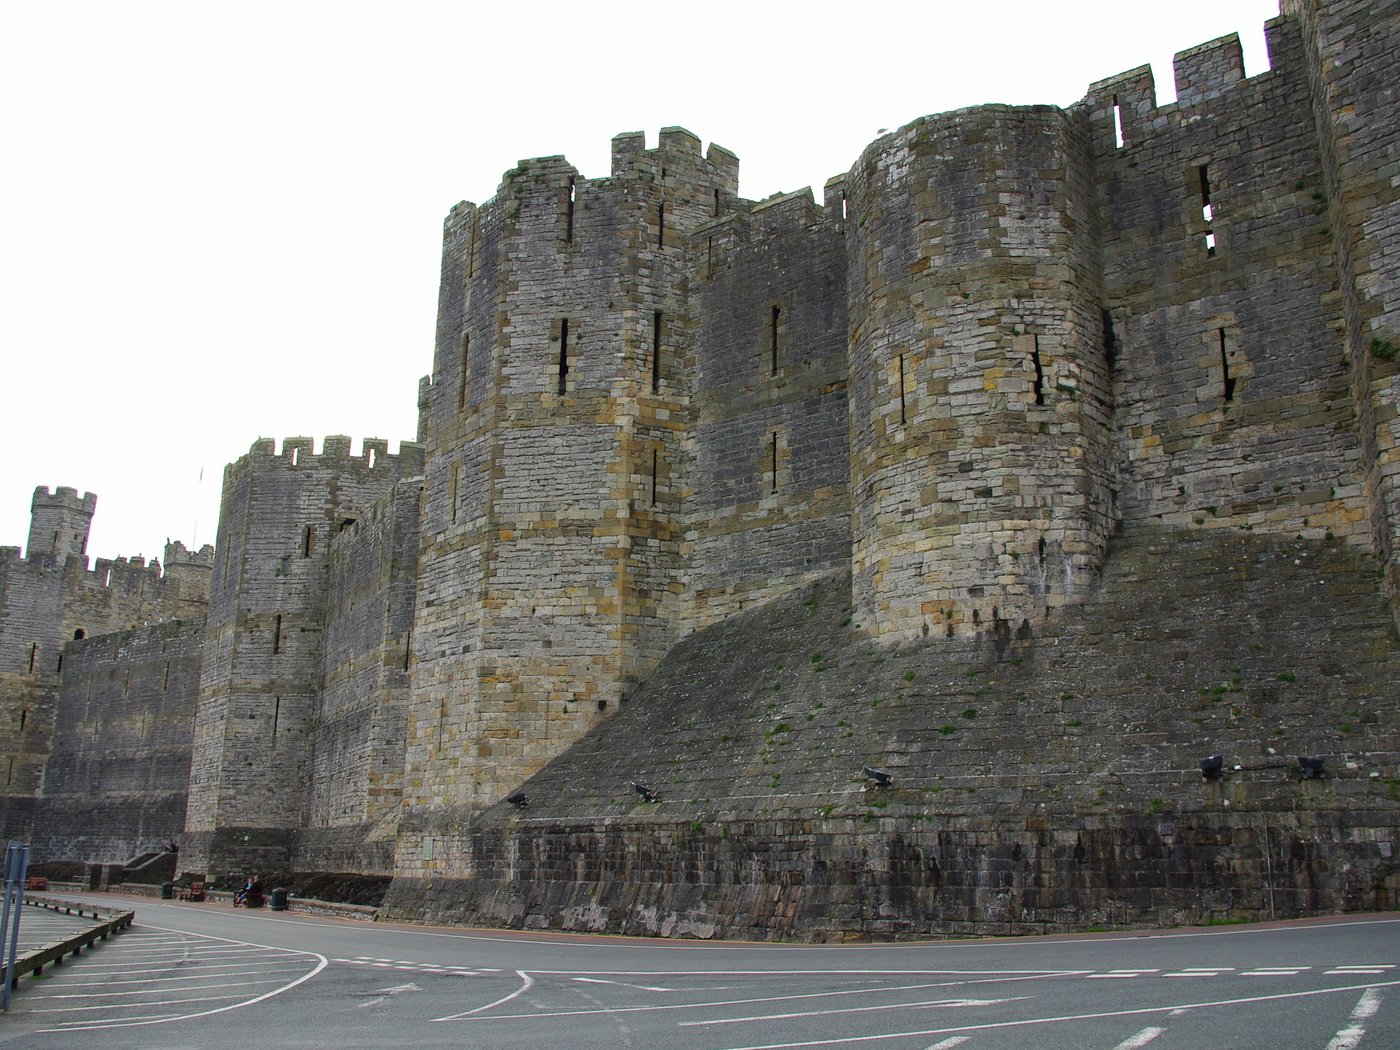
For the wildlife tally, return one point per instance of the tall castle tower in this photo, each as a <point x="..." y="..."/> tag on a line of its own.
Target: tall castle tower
<point x="59" y="522"/>
<point x="551" y="544"/>
<point x="261" y="677"/>
<point x="979" y="384"/>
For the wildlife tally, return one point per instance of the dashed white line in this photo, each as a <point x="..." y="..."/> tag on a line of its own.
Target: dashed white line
<point x="1121" y="974"/>
<point x="1350" y="1036"/>
<point x="948" y="1044"/>
<point x="936" y="1004"/>
<point x="1140" y="1039"/>
<point x="1033" y="1021"/>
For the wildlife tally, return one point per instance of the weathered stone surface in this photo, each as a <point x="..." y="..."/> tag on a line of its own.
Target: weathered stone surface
<point x="733" y="498"/>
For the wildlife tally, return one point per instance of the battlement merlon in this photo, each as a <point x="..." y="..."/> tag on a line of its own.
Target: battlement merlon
<point x="677" y="149"/>
<point x="1207" y="70"/>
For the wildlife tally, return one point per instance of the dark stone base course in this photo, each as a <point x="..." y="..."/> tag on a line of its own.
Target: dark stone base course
<point x="845" y="880"/>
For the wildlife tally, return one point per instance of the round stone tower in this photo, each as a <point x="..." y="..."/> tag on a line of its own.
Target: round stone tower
<point x="979" y="389"/>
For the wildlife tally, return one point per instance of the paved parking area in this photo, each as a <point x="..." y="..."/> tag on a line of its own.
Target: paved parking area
<point x="149" y="975"/>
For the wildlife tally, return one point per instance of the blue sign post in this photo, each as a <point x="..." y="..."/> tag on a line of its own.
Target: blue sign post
<point x="16" y="869"/>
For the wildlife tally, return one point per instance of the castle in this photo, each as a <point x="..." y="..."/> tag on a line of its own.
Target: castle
<point x="1004" y="334"/>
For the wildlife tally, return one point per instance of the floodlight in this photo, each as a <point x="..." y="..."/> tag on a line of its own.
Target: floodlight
<point x="1311" y="766"/>
<point x="881" y="778"/>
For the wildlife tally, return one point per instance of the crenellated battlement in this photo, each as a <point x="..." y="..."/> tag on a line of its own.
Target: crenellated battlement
<point x="66" y="497"/>
<point x="1123" y="110"/>
<point x="336" y="451"/>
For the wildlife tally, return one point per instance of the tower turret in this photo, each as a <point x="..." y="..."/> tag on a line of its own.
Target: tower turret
<point x="59" y="522"/>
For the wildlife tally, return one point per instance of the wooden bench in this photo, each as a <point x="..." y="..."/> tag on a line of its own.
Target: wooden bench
<point x="194" y="893"/>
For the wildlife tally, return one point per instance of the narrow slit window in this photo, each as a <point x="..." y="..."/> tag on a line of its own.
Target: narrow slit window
<point x="843" y="205"/>
<point x="656" y="328"/>
<point x="33" y="655"/>
<point x="23" y="718"/>
<point x="276" y="634"/>
<point x="569" y="211"/>
<point x="1039" y="385"/>
<point x="452" y="493"/>
<point x="307" y="535"/>
<point x="1228" y="381"/>
<point x="655" y="457"/>
<point x="709" y="257"/>
<point x="773" y="320"/>
<point x="661" y="225"/>
<point x="773" y="462"/>
<point x="276" y="713"/>
<point x="165" y="680"/>
<point x="407" y="647"/>
<point x="1110" y="339"/>
<point x="902" y="406"/>
<point x="59" y="667"/>
<point x="563" y="354"/>
<point x="717" y="204"/>
<point x="1117" y="124"/>
<point x="464" y="362"/>
<point x="10" y="776"/>
<point x="1207" y="210"/>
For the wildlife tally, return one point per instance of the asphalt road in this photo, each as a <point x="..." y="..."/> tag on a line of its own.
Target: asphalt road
<point x="206" y="976"/>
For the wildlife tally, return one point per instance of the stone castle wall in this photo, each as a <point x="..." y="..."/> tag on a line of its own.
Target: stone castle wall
<point x="116" y="782"/>
<point x="262" y="664"/>
<point x="49" y="597"/>
<point x="766" y="501"/>
<point x="356" y="746"/>
<point x="1232" y="392"/>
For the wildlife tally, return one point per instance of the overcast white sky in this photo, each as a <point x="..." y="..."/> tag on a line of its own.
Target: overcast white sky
<point x="220" y="222"/>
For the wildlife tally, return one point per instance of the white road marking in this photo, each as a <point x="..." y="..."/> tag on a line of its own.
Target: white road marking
<point x="1350" y="1036"/>
<point x="1200" y="971"/>
<point x="390" y="993"/>
<point x="219" y="983"/>
<point x="874" y="990"/>
<point x="1031" y="1021"/>
<point x="527" y="982"/>
<point x="623" y="984"/>
<point x="1372" y="968"/>
<point x="948" y="1044"/>
<point x="132" y="1022"/>
<point x="937" y="1004"/>
<point x="1141" y="1039"/>
<point x="1121" y="974"/>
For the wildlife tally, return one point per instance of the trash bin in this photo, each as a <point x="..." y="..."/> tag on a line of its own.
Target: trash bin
<point x="277" y="901"/>
<point x="167" y="891"/>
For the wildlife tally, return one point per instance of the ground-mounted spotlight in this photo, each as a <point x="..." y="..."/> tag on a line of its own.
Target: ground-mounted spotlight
<point x="1311" y="765"/>
<point x="881" y="778"/>
<point x="648" y="795"/>
<point x="1212" y="766"/>
<point x="519" y="800"/>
